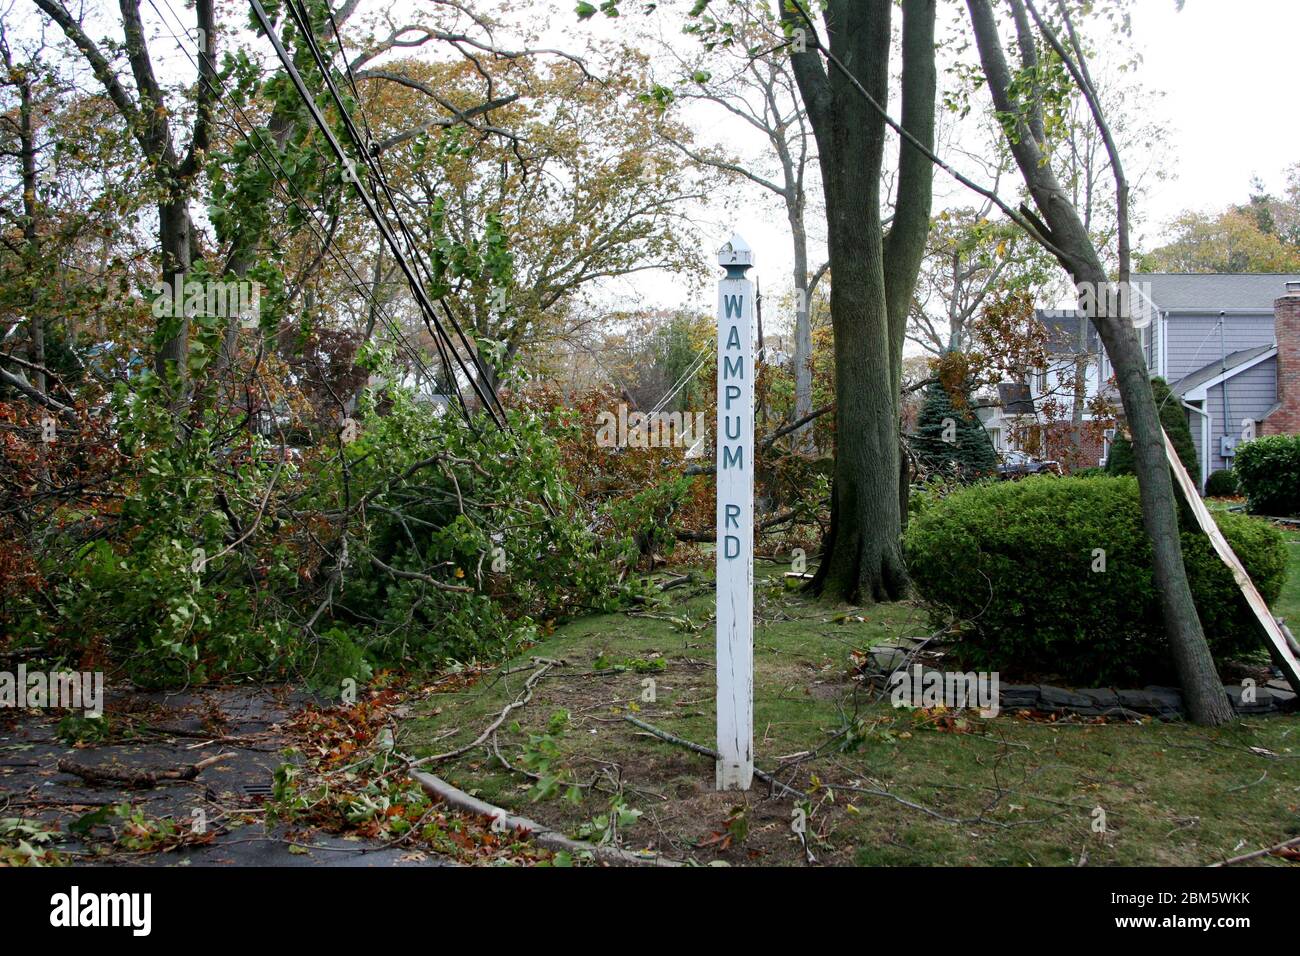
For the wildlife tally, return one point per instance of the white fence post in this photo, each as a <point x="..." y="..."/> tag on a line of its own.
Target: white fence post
<point x="735" y="519"/>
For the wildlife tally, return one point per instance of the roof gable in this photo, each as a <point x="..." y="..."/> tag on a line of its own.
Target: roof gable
<point x="1224" y="368"/>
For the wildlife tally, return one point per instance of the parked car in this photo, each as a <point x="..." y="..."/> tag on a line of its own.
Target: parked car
<point x="1017" y="464"/>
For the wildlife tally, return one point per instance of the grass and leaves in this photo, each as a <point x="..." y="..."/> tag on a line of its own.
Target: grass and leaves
<point x="877" y="785"/>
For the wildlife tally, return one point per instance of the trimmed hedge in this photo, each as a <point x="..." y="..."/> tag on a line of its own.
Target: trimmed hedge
<point x="1221" y="484"/>
<point x="1014" y="562"/>
<point x="1268" y="473"/>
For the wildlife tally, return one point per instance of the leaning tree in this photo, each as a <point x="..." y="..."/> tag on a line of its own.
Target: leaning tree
<point x="1021" y="100"/>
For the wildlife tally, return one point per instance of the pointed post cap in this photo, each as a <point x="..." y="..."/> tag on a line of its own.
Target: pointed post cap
<point x="736" y="257"/>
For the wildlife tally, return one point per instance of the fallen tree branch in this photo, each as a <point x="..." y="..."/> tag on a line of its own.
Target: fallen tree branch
<point x="1284" y="845"/>
<point x="418" y="576"/>
<point x="767" y="441"/>
<point x="763" y="525"/>
<point x="514" y="705"/>
<point x="704" y="751"/>
<point x="543" y="835"/>
<point x="19" y="383"/>
<point x="135" y="779"/>
<point x="777" y="785"/>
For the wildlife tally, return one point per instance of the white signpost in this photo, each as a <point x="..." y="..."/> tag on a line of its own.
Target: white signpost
<point x="735" y="519"/>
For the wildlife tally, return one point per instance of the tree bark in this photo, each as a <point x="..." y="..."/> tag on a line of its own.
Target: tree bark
<point x="31" y="235"/>
<point x="1069" y="242"/>
<point x="175" y="234"/>
<point x="874" y="276"/>
<point x="803" y="439"/>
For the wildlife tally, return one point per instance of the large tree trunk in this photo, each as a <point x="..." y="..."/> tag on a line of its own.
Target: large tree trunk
<point x="871" y="286"/>
<point x="862" y="558"/>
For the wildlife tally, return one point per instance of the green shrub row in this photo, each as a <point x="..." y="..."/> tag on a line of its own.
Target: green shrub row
<point x="1053" y="576"/>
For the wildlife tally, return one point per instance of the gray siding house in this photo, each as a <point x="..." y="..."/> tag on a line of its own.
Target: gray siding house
<point x="1213" y="338"/>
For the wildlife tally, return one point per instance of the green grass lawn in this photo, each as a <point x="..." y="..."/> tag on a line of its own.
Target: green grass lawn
<point x="885" y="785"/>
<point x="1288" y="602"/>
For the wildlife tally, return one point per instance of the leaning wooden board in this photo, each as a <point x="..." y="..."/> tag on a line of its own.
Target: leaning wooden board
<point x="1283" y="656"/>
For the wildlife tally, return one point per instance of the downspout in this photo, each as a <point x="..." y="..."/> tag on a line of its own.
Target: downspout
<point x="1205" y="440"/>
<point x="1164" y="345"/>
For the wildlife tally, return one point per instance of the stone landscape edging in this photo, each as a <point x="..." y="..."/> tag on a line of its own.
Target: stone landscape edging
<point x="1165" y="703"/>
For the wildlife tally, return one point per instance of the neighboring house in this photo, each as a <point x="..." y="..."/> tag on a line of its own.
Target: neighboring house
<point x="1035" y="414"/>
<point x="1228" y="345"/>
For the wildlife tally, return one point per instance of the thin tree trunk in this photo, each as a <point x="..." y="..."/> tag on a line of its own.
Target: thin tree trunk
<point x="176" y="235"/>
<point x="803" y="438"/>
<point x="1066" y="237"/>
<point x="31" y="237"/>
<point x="1080" y="389"/>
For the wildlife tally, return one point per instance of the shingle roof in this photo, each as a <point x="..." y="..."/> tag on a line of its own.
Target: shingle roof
<point x="1015" y="398"/>
<point x="1063" y="331"/>
<point x="1212" y="371"/>
<point x="1256" y="292"/>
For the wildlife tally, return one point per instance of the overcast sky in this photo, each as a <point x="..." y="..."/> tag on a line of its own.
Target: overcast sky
<point x="1227" y="69"/>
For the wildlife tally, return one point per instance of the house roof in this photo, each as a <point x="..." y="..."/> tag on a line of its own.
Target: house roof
<point x="1229" y="366"/>
<point x="1015" y="398"/>
<point x="1174" y="292"/>
<point x="1063" y="331"/>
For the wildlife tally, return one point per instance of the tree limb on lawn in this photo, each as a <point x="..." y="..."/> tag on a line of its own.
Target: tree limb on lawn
<point x="1284" y="845"/>
<point x="704" y="751"/>
<point x="543" y="835"/>
<point x="514" y="705"/>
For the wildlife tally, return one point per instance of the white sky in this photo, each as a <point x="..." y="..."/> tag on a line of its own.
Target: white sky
<point x="1227" y="69"/>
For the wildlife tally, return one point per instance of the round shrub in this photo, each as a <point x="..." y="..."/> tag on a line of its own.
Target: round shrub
<point x="1054" y="576"/>
<point x="1221" y="484"/>
<point x="1268" y="473"/>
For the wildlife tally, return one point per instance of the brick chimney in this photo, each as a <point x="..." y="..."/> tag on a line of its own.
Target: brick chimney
<point x="1285" y="418"/>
